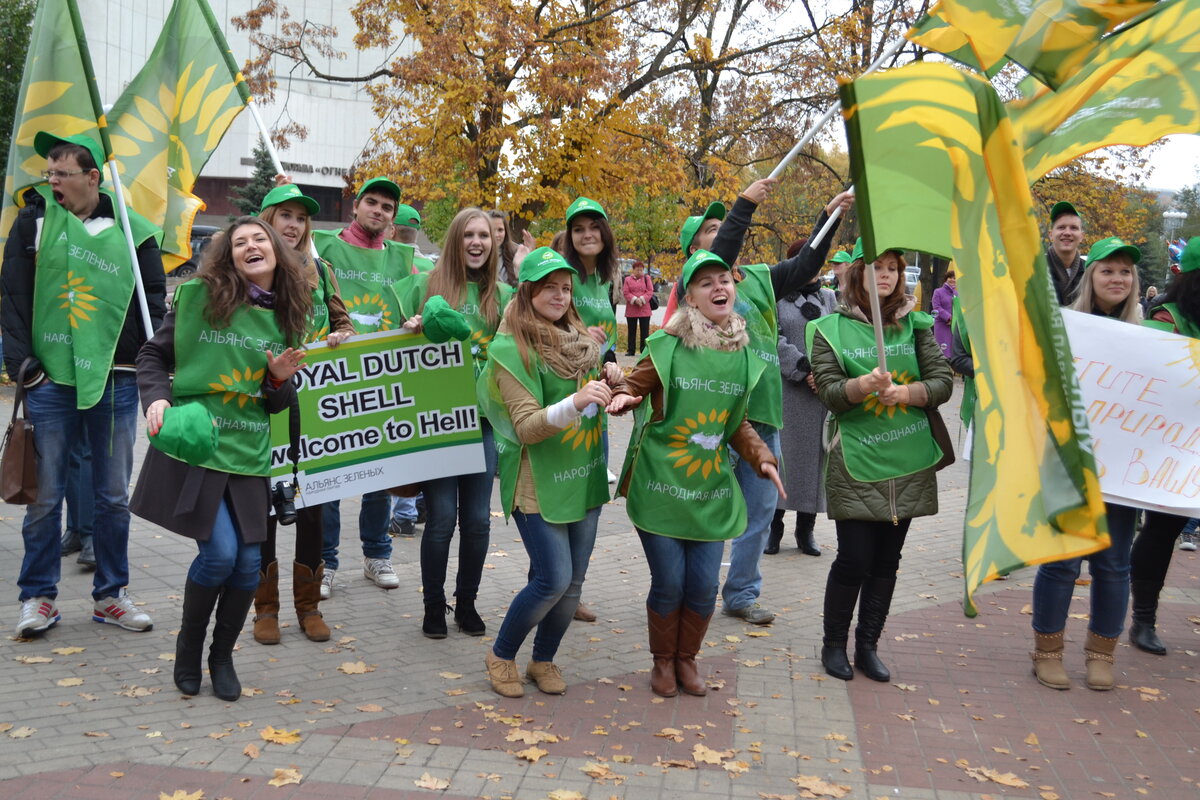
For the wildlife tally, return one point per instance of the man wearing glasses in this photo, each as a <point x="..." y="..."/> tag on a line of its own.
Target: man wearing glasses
<point x="67" y="305"/>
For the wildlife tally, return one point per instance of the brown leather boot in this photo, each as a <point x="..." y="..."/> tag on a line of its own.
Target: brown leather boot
<point x="692" y="628"/>
<point x="306" y="593"/>
<point x="1047" y="660"/>
<point x="664" y="635"/>
<point x="1099" y="651"/>
<point x="266" y="606"/>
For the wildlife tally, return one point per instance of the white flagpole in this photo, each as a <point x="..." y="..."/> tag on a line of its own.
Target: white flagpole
<point x="266" y="137"/>
<point x="876" y="318"/>
<point x="837" y="212"/>
<point x="123" y="214"/>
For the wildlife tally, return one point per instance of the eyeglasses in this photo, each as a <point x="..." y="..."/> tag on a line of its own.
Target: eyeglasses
<point x="50" y="174"/>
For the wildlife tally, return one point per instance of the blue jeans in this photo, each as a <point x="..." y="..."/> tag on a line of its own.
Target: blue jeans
<point x="743" y="582"/>
<point x="405" y="509"/>
<point x="1192" y="525"/>
<point x="558" y="561"/>
<point x="81" y="506"/>
<point x="111" y="426"/>
<point x="682" y="572"/>
<point x="225" y="560"/>
<point x="465" y="499"/>
<point x="372" y="528"/>
<point x="1055" y="582"/>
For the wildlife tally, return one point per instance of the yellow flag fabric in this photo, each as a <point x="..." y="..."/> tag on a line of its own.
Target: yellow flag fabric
<point x="937" y="168"/>
<point x="171" y="117"/>
<point x="54" y="96"/>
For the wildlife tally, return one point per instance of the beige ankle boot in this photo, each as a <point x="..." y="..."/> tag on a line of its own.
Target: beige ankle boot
<point x="1047" y="660"/>
<point x="1099" y="651"/>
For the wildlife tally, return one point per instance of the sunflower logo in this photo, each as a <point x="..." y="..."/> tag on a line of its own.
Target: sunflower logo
<point x="1191" y="360"/>
<point x="479" y="343"/>
<point x="872" y="402"/>
<point x="368" y="311"/>
<point x="318" y="334"/>
<point x="696" y="445"/>
<point x="244" y="385"/>
<point x="586" y="430"/>
<point x="76" y="297"/>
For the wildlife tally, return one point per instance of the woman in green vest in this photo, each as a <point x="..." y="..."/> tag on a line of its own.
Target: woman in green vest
<point x="1179" y="312"/>
<point x="880" y="471"/>
<point x="683" y="498"/>
<point x="543" y="394"/>
<point x="233" y="339"/>
<point x="286" y="209"/>
<point x="466" y="277"/>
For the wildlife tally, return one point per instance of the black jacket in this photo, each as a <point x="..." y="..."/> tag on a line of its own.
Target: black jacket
<point x="17" y="280"/>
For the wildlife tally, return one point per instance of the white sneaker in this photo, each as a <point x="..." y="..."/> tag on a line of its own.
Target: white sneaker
<point x="1188" y="541"/>
<point x="121" y="611"/>
<point x="327" y="583"/>
<point x="611" y="477"/>
<point x="37" y="614"/>
<point x="380" y="572"/>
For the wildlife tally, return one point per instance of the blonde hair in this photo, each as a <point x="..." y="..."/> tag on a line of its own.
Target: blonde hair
<point x="449" y="277"/>
<point x="1130" y="310"/>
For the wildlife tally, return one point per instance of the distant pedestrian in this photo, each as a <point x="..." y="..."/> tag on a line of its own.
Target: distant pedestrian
<point x="638" y="289"/>
<point x="943" y="311"/>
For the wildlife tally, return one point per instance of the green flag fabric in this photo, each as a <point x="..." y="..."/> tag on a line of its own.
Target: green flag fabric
<point x="171" y="117"/>
<point x="928" y="130"/>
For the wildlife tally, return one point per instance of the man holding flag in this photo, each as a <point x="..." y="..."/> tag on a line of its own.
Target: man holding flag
<point x="68" y="314"/>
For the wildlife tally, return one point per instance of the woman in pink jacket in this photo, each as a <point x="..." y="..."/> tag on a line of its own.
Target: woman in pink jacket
<point x="638" y="288"/>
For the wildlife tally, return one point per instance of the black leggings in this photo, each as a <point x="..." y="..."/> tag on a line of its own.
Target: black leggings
<point x="1155" y="544"/>
<point x="634" y="324"/>
<point x="867" y="549"/>
<point x="310" y="529"/>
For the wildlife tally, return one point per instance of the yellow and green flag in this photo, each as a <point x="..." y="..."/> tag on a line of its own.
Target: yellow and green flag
<point x="1141" y="84"/>
<point x="936" y="168"/>
<point x="55" y="96"/>
<point x="171" y="117"/>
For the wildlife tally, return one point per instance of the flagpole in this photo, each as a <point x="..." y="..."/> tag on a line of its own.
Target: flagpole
<point x="266" y="137"/>
<point x="829" y="112"/>
<point x="876" y="315"/>
<point x="123" y="210"/>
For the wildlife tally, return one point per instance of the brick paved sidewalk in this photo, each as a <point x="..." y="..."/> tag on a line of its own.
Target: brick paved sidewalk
<point x="89" y="711"/>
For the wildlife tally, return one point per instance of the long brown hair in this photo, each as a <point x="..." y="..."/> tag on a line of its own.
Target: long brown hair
<point x="449" y="277"/>
<point x="529" y="329"/>
<point x="855" y="292"/>
<point x="508" y="248"/>
<point x="227" y="289"/>
<point x="606" y="261"/>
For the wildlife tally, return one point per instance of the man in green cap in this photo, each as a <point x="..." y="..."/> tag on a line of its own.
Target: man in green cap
<point x="367" y="264"/>
<point x="68" y="311"/>
<point x="405" y="229"/>
<point x="1062" y="256"/>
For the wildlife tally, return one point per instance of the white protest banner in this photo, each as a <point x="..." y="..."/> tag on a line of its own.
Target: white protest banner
<point x="382" y="410"/>
<point x="1141" y="393"/>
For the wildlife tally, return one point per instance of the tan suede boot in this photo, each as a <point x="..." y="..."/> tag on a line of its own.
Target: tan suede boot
<point x="1047" y="660"/>
<point x="306" y="593"/>
<point x="1099" y="651"/>
<point x="266" y="606"/>
<point x="664" y="636"/>
<point x="692" y="628"/>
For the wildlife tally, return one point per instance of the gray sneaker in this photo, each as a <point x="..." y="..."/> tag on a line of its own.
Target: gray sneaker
<point x="1187" y="541"/>
<point x="380" y="572"/>
<point x="755" y="614"/>
<point x="327" y="583"/>
<point x="37" y="614"/>
<point x="121" y="611"/>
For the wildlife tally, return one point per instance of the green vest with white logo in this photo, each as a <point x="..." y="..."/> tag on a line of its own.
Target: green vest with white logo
<point x="366" y="278"/>
<point x="680" y="482"/>
<point x="224" y="369"/>
<point x="593" y="301"/>
<point x="569" y="469"/>
<point x="880" y="442"/>
<point x="756" y="303"/>
<point x="81" y="293"/>
<point x="318" y="326"/>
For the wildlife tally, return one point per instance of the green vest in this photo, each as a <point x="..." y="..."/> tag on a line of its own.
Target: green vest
<point x="366" y="278"/>
<point x="880" y="442"/>
<point x="1184" y="325"/>
<point x="81" y="292"/>
<point x="958" y="328"/>
<point x="756" y="303"/>
<point x="413" y="290"/>
<point x="423" y="264"/>
<point x="593" y="301"/>
<point x="569" y="469"/>
<point x="680" y="482"/>
<point x="318" y="327"/>
<point x="224" y="369"/>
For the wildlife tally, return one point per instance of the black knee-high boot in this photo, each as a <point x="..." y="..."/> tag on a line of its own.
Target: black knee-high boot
<point x="776" y="534"/>
<point x="839" y="609"/>
<point x="873" y="608"/>
<point x="232" y="609"/>
<point x="1145" y="615"/>
<point x="806" y="540"/>
<point x="198" y="603"/>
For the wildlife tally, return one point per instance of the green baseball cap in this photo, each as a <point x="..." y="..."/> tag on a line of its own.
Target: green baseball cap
<point x="1060" y="208"/>
<point x="45" y="141"/>
<point x="698" y="259"/>
<point x="1189" y="260"/>
<point x="858" y="250"/>
<point x="379" y="184"/>
<point x="841" y="257"/>
<point x="542" y="262"/>
<point x="289" y="191"/>
<point x="187" y="433"/>
<point x="440" y="323"/>
<point x="584" y="205"/>
<point x="408" y="216"/>
<point x="715" y="210"/>
<point x="1113" y="244"/>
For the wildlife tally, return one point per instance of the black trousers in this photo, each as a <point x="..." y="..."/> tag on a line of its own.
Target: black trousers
<point x="634" y="324"/>
<point x="1155" y="544"/>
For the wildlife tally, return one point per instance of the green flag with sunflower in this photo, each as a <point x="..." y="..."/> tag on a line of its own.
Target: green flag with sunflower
<point x="171" y="117"/>
<point x="926" y="133"/>
<point x="54" y="96"/>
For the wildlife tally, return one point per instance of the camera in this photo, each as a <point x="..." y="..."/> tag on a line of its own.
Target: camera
<point x="283" y="498"/>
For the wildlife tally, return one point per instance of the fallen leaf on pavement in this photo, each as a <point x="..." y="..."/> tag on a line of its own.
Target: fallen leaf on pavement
<point x="819" y="788"/>
<point x="69" y="682"/>
<point x="35" y="659"/>
<point x="369" y="707"/>
<point x="565" y="794"/>
<point x="984" y="774"/>
<point x="450" y="676"/>
<point x="356" y="668"/>
<point x="278" y="736"/>
<point x="251" y="750"/>
<point x="23" y="732"/>
<point x="285" y="777"/>
<point x="1032" y="739"/>
<point x="427" y="781"/>
<point x="530" y="737"/>
<point x="67" y="651"/>
<point x="707" y="755"/>
<point x="182" y="794"/>
<point x="531" y="754"/>
<point x="600" y="772"/>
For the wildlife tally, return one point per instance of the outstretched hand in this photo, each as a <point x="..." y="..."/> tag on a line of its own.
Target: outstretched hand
<point x="283" y="366"/>
<point x="622" y="403"/>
